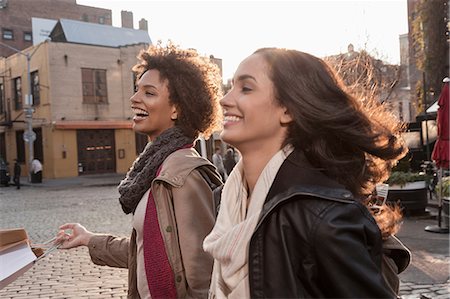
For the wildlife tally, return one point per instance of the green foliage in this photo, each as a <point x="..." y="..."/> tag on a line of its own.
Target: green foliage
<point x="429" y="40"/>
<point x="401" y="178"/>
<point x="445" y="187"/>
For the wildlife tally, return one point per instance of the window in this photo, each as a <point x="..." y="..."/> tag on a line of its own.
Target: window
<point x="134" y="82"/>
<point x="20" y="146"/>
<point x="35" y="88"/>
<point x="38" y="148"/>
<point x="2" y="105"/>
<point x="17" y="93"/>
<point x="7" y="34"/>
<point x="85" y="18"/>
<point x="3" y="146"/>
<point x="101" y="20"/>
<point x="94" y="86"/>
<point x="27" y="36"/>
<point x="141" y="142"/>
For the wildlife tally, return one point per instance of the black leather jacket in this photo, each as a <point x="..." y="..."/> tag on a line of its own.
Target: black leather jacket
<point x="314" y="240"/>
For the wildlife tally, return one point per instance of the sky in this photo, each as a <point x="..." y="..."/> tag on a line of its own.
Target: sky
<point x="232" y="30"/>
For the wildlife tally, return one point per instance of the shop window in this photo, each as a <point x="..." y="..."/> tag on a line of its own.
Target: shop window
<point x="94" y="86"/>
<point x="37" y="145"/>
<point x="20" y="147"/>
<point x="141" y="142"/>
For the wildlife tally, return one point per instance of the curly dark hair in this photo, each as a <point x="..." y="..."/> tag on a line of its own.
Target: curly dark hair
<point x="354" y="142"/>
<point x="194" y="84"/>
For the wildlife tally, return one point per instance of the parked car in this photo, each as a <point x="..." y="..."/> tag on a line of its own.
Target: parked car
<point x="4" y="173"/>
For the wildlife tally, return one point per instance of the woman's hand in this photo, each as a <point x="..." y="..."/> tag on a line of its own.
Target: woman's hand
<point x="79" y="236"/>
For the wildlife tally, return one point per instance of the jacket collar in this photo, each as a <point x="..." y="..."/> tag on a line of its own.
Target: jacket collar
<point x="298" y="176"/>
<point x="179" y="164"/>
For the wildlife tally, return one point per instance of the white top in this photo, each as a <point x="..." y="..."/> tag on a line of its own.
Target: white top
<point x="138" y="224"/>
<point x="36" y="166"/>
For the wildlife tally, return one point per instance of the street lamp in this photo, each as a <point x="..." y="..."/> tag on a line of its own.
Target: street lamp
<point x="29" y="135"/>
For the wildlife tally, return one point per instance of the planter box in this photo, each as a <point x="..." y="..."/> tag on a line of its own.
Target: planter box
<point x="409" y="186"/>
<point x="412" y="197"/>
<point x="445" y="210"/>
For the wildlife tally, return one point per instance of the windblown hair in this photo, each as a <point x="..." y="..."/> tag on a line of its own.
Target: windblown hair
<point x="354" y="142"/>
<point x="194" y="84"/>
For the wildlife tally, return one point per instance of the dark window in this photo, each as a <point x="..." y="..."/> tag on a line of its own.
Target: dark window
<point x="85" y="18"/>
<point x="134" y="82"/>
<point x="2" y="146"/>
<point x="35" y="88"/>
<point x="7" y="34"/>
<point x="94" y="86"/>
<point x="17" y="93"/>
<point x="2" y="96"/>
<point x="141" y="142"/>
<point x="27" y="36"/>
<point x="37" y="145"/>
<point x="20" y="147"/>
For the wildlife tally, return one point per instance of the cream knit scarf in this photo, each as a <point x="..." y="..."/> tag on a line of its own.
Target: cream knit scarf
<point x="229" y="240"/>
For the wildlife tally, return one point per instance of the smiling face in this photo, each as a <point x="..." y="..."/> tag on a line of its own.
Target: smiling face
<point x="252" y="117"/>
<point x="153" y="112"/>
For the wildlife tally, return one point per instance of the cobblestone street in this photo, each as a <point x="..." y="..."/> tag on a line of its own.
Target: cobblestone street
<point x="65" y="273"/>
<point x="71" y="274"/>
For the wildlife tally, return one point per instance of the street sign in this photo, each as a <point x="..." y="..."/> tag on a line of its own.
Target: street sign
<point x="29" y="136"/>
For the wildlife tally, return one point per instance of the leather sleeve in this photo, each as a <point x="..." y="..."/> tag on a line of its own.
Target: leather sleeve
<point x="193" y="206"/>
<point x="347" y="245"/>
<point x="108" y="250"/>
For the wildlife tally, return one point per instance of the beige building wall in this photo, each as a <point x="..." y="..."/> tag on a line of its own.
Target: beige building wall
<point x="61" y="103"/>
<point x="66" y="62"/>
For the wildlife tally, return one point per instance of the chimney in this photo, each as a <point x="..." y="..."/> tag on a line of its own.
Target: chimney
<point x="143" y="24"/>
<point x="127" y="19"/>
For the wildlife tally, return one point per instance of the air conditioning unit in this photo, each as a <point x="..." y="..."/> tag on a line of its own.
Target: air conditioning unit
<point x="3" y="3"/>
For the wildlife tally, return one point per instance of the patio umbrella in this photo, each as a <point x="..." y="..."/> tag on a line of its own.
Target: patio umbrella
<point x="441" y="148"/>
<point x="441" y="154"/>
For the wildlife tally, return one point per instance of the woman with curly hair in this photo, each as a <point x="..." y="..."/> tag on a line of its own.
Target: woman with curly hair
<point x="293" y="220"/>
<point x="166" y="189"/>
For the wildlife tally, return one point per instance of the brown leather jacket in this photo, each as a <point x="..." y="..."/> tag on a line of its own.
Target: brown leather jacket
<point x="186" y="215"/>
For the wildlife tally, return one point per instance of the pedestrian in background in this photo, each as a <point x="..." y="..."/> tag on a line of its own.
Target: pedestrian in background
<point x="217" y="160"/>
<point x="229" y="160"/>
<point x="177" y="99"/>
<point x="36" y="171"/>
<point x="293" y="221"/>
<point x="17" y="171"/>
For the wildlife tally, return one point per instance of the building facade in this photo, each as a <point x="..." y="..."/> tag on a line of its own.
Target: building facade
<point x="16" y="19"/>
<point x="82" y="118"/>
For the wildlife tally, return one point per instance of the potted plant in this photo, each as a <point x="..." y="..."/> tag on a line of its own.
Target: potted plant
<point x="408" y="188"/>
<point x="445" y="185"/>
<point x="407" y="180"/>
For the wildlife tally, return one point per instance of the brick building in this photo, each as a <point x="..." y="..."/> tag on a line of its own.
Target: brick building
<point x="81" y="89"/>
<point x="16" y="18"/>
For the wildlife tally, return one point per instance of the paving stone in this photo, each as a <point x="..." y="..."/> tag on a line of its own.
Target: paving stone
<point x="70" y="273"/>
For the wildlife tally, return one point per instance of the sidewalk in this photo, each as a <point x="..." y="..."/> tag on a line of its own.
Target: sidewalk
<point x="107" y="179"/>
<point x="426" y="277"/>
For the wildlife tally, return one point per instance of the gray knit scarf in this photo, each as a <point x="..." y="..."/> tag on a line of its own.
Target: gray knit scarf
<point x="141" y="174"/>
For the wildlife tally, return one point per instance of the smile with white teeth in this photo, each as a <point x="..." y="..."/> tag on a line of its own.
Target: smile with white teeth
<point x="139" y="113"/>
<point x="231" y="118"/>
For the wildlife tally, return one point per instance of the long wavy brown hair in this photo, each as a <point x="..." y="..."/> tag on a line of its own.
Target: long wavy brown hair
<point x="194" y="83"/>
<point x="354" y="142"/>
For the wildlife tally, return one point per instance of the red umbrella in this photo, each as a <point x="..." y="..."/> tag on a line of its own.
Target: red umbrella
<point x="441" y="149"/>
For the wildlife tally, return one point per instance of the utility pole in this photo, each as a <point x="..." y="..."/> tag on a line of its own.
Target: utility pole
<point x="29" y="135"/>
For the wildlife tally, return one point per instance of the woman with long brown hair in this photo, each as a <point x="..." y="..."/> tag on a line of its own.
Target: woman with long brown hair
<point x="293" y="221"/>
